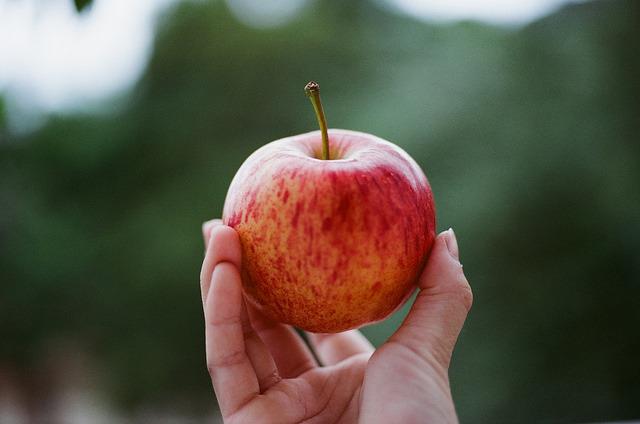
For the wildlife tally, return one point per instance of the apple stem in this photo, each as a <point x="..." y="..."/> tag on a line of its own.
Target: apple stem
<point x="312" y="90"/>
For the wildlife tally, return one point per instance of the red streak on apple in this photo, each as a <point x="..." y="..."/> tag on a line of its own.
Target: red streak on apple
<point x="349" y="236"/>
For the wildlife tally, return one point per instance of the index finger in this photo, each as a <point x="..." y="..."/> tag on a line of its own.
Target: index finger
<point x="222" y="245"/>
<point x="206" y="230"/>
<point x="233" y="376"/>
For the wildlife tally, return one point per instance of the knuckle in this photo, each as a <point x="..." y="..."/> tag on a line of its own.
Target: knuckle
<point x="227" y="270"/>
<point x="225" y="321"/>
<point x="224" y="266"/>
<point x="459" y="290"/>
<point x="224" y="360"/>
<point x="464" y="294"/>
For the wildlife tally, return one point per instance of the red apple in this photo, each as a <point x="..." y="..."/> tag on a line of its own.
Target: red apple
<point x="330" y="245"/>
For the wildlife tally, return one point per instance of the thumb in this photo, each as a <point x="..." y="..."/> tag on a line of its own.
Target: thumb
<point x="434" y="322"/>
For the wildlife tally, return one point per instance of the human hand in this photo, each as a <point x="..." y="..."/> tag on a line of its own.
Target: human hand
<point x="262" y="371"/>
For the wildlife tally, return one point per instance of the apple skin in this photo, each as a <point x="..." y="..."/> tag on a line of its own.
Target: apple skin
<point x="331" y="245"/>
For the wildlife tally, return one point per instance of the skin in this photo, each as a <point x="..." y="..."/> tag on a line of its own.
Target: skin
<point x="331" y="245"/>
<point x="262" y="371"/>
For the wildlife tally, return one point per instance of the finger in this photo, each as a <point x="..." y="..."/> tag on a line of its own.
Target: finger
<point x="234" y="378"/>
<point x="206" y="229"/>
<point x="258" y="353"/>
<point x="291" y="354"/>
<point x="223" y="245"/>
<point x="333" y="348"/>
<point x="436" y="318"/>
<point x="226" y="246"/>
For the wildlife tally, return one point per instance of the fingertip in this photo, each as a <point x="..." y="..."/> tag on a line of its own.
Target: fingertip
<point x="445" y="248"/>
<point x="207" y="226"/>
<point x="447" y="245"/>
<point x="452" y="243"/>
<point x="443" y="267"/>
<point x="223" y="246"/>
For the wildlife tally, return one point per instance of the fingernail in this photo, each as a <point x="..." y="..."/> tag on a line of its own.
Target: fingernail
<point x="206" y="225"/>
<point x="452" y="244"/>
<point x="206" y="230"/>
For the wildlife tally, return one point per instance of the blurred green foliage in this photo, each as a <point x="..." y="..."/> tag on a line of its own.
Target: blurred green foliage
<point x="529" y="138"/>
<point x="82" y="5"/>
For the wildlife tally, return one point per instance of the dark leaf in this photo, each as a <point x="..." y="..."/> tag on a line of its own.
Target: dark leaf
<point x="82" y="4"/>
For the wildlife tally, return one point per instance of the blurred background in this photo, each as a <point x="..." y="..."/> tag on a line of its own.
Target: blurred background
<point x="122" y="124"/>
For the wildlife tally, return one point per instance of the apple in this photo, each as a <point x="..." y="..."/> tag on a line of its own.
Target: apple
<point x="335" y="227"/>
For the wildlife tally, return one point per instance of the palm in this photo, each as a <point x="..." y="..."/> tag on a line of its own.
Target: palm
<point x="322" y="394"/>
<point x="263" y="371"/>
<point x="332" y="394"/>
